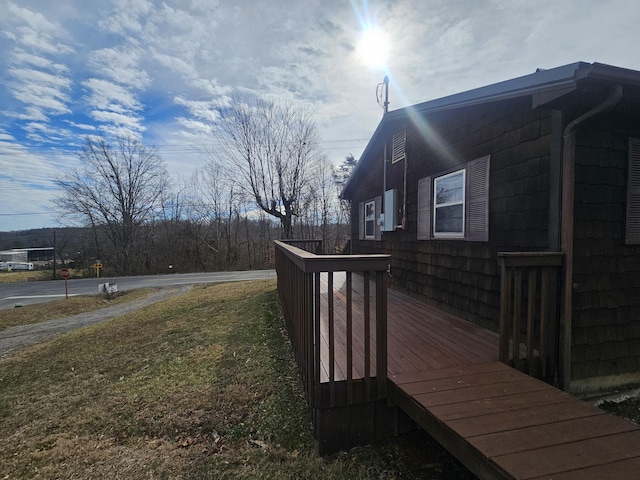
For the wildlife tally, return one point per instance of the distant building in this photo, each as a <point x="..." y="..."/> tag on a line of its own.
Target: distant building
<point x="28" y="255"/>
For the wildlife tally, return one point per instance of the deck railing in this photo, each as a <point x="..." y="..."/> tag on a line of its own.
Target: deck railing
<point x="529" y="312"/>
<point x="312" y="246"/>
<point x="327" y="353"/>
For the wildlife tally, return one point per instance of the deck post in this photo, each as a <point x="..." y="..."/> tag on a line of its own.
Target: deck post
<point x="381" y="333"/>
<point x="367" y="336"/>
<point x="349" y="337"/>
<point x="505" y="296"/>
<point x="313" y="367"/>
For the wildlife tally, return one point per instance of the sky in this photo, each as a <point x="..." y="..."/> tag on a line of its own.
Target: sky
<point x="157" y="70"/>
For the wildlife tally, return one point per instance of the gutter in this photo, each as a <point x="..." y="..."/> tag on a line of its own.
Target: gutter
<point x="567" y="216"/>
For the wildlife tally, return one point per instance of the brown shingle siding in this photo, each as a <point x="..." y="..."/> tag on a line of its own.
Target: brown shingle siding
<point x="605" y="270"/>
<point x="461" y="276"/>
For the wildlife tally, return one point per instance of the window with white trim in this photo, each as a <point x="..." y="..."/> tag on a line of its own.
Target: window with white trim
<point x="448" y="205"/>
<point x="455" y="204"/>
<point x="370" y="220"/>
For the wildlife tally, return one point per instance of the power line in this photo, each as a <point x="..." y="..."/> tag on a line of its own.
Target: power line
<point x="168" y="148"/>
<point x="28" y="213"/>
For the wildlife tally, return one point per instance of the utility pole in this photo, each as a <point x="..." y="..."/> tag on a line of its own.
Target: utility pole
<point x="386" y="94"/>
<point x="385" y="85"/>
<point x="54" y="254"/>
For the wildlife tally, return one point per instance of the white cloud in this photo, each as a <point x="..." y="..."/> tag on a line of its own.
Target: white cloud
<point x="126" y="17"/>
<point x="160" y="68"/>
<point x="40" y="86"/>
<point x="196" y="128"/>
<point x="26" y="185"/>
<point x="130" y="122"/>
<point x="107" y="95"/>
<point x="20" y="57"/>
<point x="121" y="65"/>
<point x="39" y="90"/>
<point x="34" y="31"/>
<point x="201" y="109"/>
<point x="82" y="126"/>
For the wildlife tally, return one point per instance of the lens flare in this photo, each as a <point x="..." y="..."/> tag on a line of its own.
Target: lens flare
<point x="373" y="48"/>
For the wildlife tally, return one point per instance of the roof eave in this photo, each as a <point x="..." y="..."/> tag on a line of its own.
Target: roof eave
<point x="543" y="86"/>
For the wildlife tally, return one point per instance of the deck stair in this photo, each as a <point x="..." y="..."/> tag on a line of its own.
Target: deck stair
<point x="504" y="424"/>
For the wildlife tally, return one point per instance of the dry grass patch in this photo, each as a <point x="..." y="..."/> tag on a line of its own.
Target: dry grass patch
<point x="41" y="312"/>
<point x="199" y="386"/>
<point x="41" y="275"/>
<point x="25" y="276"/>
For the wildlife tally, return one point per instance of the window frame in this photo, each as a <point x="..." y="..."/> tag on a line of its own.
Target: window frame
<point x="476" y="203"/>
<point x="370" y="221"/>
<point x="462" y="203"/>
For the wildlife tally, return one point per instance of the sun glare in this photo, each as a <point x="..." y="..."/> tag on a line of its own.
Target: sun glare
<point x="373" y="49"/>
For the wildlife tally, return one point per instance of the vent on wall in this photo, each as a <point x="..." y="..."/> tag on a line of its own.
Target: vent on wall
<point x="399" y="142"/>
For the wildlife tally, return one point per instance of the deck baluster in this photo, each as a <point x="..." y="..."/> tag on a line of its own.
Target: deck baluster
<point x="323" y="334"/>
<point x="529" y="302"/>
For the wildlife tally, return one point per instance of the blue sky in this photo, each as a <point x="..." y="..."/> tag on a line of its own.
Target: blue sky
<point x="158" y="70"/>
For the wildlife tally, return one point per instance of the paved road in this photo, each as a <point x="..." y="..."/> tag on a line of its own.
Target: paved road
<point x="26" y="293"/>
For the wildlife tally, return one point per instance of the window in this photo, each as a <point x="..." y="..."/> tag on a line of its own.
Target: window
<point x="455" y="204"/>
<point x="369" y="220"/>
<point x="368" y="213"/>
<point x="448" y="205"/>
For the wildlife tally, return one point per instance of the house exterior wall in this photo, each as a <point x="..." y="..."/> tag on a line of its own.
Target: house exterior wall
<point x="606" y="307"/>
<point x="458" y="275"/>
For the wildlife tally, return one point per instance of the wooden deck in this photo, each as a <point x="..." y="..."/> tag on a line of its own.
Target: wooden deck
<point x="499" y="422"/>
<point x="419" y="336"/>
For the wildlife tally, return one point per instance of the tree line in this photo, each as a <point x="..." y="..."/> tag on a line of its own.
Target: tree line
<point x="266" y="179"/>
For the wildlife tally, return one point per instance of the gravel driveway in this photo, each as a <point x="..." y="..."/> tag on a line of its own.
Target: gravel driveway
<point x="24" y="335"/>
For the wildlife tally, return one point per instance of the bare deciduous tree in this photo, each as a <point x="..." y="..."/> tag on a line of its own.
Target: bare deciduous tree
<point x="116" y="188"/>
<point x="270" y="149"/>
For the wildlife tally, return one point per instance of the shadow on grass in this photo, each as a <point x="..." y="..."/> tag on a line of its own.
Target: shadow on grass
<point x="200" y="386"/>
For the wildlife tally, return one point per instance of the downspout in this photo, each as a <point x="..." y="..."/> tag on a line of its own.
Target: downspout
<point x="385" y="82"/>
<point x="404" y="190"/>
<point x="384" y="170"/>
<point x="567" y="216"/>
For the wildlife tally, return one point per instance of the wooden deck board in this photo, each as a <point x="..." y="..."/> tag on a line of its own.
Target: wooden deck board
<point x="511" y="426"/>
<point x="501" y="423"/>
<point x="484" y="406"/>
<point x="591" y="452"/>
<point x="549" y="434"/>
<point x="525" y="417"/>
<point x="622" y="470"/>
<point x="419" y="336"/>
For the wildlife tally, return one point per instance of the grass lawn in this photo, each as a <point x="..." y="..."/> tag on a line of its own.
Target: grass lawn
<point x="24" y="276"/>
<point x="38" y="275"/>
<point x="199" y="386"/>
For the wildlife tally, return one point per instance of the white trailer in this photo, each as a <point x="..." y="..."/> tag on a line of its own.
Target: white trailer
<point x="9" y="266"/>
